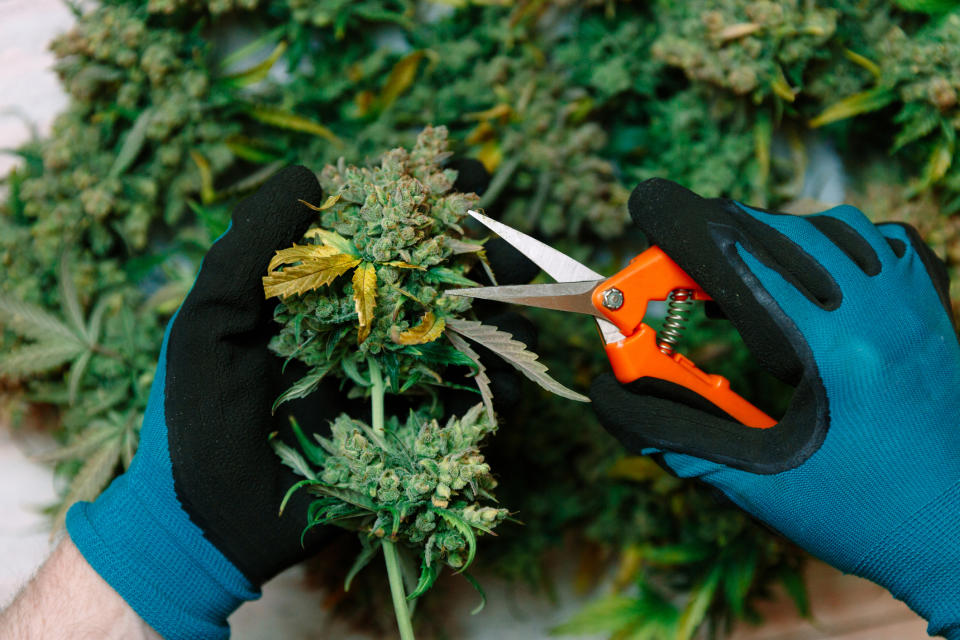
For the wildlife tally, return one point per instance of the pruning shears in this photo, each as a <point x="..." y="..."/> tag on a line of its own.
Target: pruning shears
<point x="619" y="304"/>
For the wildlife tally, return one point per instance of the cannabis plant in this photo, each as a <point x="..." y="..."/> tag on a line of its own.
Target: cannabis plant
<point x="396" y="227"/>
<point x="567" y="104"/>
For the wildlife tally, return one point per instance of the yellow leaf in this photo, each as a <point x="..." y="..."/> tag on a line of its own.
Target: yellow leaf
<point x="501" y="110"/>
<point x="863" y="61"/>
<point x="429" y="329"/>
<point x="365" y="297"/>
<point x="401" y="77"/>
<point x="300" y="253"/>
<point x="490" y="155"/>
<point x="737" y="31"/>
<point x="404" y="265"/>
<point x="863" y="102"/>
<point x="333" y="239"/>
<point x="293" y="122"/>
<point x="259" y="71"/>
<point x="636" y="468"/>
<point x="329" y="202"/>
<point x="207" y="194"/>
<point x="307" y="276"/>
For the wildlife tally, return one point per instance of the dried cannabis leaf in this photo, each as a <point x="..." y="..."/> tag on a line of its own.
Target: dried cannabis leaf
<point x="428" y="330"/>
<point x="514" y="352"/>
<point x="308" y="275"/>
<point x="365" y="297"/>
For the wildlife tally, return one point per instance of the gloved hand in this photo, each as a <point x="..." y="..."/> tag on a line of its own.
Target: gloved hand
<point x="864" y="469"/>
<point x="191" y="530"/>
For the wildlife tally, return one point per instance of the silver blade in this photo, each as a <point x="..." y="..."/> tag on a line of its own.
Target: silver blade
<point x="562" y="296"/>
<point x="556" y="264"/>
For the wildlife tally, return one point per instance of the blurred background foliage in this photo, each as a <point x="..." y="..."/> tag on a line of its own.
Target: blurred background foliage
<point x="180" y="107"/>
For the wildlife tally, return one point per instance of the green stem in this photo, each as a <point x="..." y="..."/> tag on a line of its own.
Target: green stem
<point x="376" y="395"/>
<point x="397" y="590"/>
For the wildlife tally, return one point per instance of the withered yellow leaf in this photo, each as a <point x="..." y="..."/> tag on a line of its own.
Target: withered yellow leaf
<point x="300" y="253"/>
<point x="333" y="239"/>
<point x="329" y="202"/>
<point x="400" y="264"/>
<point x="429" y="329"/>
<point x="401" y="77"/>
<point x="365" y="297"/>
<point x="307" y="276"/>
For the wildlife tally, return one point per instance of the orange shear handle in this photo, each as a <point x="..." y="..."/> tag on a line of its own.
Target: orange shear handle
<point x="652" y="275"/>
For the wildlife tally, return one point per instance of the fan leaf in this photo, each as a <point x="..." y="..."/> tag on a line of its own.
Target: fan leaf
<point x="480" y="378"/>
<point x="308" y="275"/>
<point x="514" y="352"/>
<point x="300" y="253"/>
<point x="31" y="321"/>
<point x="38" y="358"/>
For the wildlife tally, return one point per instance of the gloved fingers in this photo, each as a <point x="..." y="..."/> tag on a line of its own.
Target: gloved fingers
<point x="657" y="415"/>
<point x="227" y="297"/>
<point x="857" y="236"/>
<point x="906" y="243"/>
<point x="825" y="264"/>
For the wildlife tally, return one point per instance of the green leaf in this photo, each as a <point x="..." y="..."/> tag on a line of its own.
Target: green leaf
<point x="481" y="378"/>
<point x="38" y="358"/>
<point x="77" y="369"/>
<point x="132" y="144"/>
<point x="349" y="366"/>
<point x="927" y="6"/>
<point x="483" y="596"/>
<point x="363" y="559"/>
<point x="514" y="352"/>
<point x="857" y="104"/>
<point x="91" y="479"/>
<point x="292" y="490"/>
<point x="738" y="576"/>
<point x="291" y="457"/>
<point x="438" y="353"/>
<point x="428" y="575"/>
<point x="463" y="529"/>
<point x="259" y="71"/>
<point x="604" y="615"/>
<point x="313" y="452"/>
<point x="70" y="300"/>
<point x="449" y="276"/>
<point x="30" y="321"/>
<point x="701" y="596"/>
<point x="304" y="386"/>
<point x="88" y="442"/>
<point x="95" y="322"/>
<point x="293" y="122"/>
<point x="796" y="588"/>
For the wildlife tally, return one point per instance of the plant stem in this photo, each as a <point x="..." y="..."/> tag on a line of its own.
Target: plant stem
<point x="397" y="590"/>
<point x="376" y="395"/>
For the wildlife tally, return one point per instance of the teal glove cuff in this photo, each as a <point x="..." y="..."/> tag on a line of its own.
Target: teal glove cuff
<point x="919" y="562"/>
<point x="140" y="540"/>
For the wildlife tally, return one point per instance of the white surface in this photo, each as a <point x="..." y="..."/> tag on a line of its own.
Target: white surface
<point x="28" y="86"/>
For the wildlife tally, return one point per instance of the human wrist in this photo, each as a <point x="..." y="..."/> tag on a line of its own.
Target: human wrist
<point x="159" y="562"/>
<point x="919" y="562"/>
<point x="68" y="599"/>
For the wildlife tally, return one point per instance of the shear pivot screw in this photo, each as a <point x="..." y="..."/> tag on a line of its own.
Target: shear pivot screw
<point x="612" y="298"/>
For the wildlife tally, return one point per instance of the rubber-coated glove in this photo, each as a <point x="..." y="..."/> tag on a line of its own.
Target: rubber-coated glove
<point x="191" y="530"/>
<point x="863" y="470"/>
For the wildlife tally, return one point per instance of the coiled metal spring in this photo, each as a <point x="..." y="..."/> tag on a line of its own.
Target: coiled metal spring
<point x="675" y="323"/>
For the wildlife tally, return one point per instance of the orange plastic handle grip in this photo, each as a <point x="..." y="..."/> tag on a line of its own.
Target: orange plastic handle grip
<point x="652" y="275"/>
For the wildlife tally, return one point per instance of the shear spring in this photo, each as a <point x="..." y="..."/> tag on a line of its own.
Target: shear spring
<point x="675" y="323"/>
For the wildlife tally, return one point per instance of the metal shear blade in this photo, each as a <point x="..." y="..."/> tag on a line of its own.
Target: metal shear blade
<point x="572" y="292"/>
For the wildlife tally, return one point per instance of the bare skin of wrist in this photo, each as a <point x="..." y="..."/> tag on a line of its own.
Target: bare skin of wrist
<point x="68" y="599"/>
